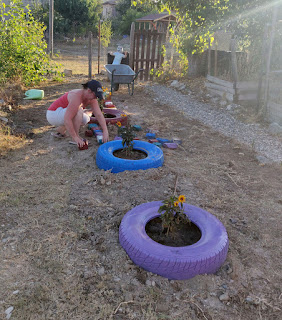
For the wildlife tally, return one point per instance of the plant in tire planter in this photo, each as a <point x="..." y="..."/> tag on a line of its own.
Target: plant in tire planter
<point x="179" y="263"/>
<point x="172" y="214"/>
<point x="106" y="159"/>
<point x="127" y="134"/>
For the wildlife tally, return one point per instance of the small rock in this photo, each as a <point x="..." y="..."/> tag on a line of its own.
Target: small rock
<point x="250" y="300"/>
<point x="103" y="181"/>
<point x="174" y="83"/>
<point x="2" y="101"/>
<point x="4" y="119"/>
<point x="262" y="159"/>
<point x="148" y="283"/>
<point x="275" y="128"/>
<point x="8" y="312"/>
<point x="224" y="297"/>
<point x="117" y="279"/>
<point x="222" y="103"/>
<point x="16" y="291"/>
<point x="229" y="270"/>
<point x="101" y="271"/>
<point x="161" y="307"/>
<point x="233" y="221"/>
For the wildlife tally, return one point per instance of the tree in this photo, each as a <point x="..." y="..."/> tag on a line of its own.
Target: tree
<point x="80" y="15"/>
<point x="71" y="17"/>
<point x="127" y="13"/>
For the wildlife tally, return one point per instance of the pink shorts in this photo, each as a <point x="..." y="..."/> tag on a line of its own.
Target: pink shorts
<point x="56" y="118"/>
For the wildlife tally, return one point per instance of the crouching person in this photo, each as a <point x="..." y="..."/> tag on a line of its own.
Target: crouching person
<point x="68" y="112"/>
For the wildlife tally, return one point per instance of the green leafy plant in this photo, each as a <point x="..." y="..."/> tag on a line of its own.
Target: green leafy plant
<point x="22" y="47"/>
<point x="106" y="33"/>
<point x="127" y="134"/>
<point x="172" y="213"/>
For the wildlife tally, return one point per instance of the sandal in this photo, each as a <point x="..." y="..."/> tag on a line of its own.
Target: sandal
<point x="58" y="135"/>
<point x="72" y="142"/>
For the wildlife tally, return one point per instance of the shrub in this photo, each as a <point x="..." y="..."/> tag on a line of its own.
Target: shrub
<point x="22" y="47"/>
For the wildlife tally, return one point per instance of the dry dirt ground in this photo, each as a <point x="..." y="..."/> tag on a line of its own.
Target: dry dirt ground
<point x="60" y="215"/>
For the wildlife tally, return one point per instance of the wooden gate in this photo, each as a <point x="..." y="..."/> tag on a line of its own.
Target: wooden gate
<point x="146" y="51"/>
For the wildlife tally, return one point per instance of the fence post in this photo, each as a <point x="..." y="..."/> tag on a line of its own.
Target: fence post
<point x="234" y="67"/>
<point x="215" y="55"/>
<point x="262" y="69"/>
<point x="90" y="55"/>
<point x="51" y="24"/>
<point x="209" y="57"/>
<point x="99" y="45"/>
<point x="131" y="56"/>
<point x="269" y="54"/>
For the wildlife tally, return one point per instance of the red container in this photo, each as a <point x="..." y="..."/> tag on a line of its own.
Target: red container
<point x="85" y="146"/>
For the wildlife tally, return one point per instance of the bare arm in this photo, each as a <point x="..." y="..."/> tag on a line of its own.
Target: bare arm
<point x="101" y="119"/>
<point x="71" y="112"/>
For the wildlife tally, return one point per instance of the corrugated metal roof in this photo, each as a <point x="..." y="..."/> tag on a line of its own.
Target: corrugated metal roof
<point x="157" y="17"/>
<point x="112" y="2"/>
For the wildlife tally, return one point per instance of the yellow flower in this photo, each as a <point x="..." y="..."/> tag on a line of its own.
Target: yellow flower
<point x="123" y="115"/>
<point x="118" y="124"/>
<point x="181" y="199"/>
<point x="176" y="203"/>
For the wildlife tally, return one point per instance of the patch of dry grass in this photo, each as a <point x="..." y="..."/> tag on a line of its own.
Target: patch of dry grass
<point x="11" y="94"/>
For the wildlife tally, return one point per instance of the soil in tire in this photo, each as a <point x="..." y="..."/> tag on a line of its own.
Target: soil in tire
<point x="184" y="235"/>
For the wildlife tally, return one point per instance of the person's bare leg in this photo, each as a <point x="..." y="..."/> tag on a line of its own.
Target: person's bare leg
<point x="61" y="130"/>
<point x="77" y="121"/>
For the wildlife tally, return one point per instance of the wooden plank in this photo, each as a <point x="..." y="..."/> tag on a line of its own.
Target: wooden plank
<point x="219" y="87"/>
<point x="249" y="85"/>
<point x="247" y="97"/>
<point x="147" y="68"/>
<point x="227" y="96"/>
<point x="137" y="43"/>
<point x="142" y="55"/>
<point x="270" y="48"/>
<point x="153" y="53"/>
<point x="131" y="56"/>
<point x="224" y="83"/>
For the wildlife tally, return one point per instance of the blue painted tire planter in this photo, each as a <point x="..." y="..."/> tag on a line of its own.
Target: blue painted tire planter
<point x="106" y="160"/>
<point x="178" y="263"/>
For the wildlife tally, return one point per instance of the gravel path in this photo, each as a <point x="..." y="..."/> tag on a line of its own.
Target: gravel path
<point x="268" y="147"/>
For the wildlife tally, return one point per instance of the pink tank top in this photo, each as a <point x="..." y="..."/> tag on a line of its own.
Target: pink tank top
<point x="61" y="102"/>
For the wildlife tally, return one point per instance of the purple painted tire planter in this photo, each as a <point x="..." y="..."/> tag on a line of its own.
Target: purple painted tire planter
<point x="117" y="117"/>
<point x="178" y="263"/>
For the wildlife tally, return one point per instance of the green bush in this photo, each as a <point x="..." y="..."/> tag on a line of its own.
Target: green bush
<point x="22" y="47"/>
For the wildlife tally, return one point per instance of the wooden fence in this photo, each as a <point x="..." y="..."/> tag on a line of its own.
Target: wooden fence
<point x="146" y="51"/>
<point x="234" y="92"/>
